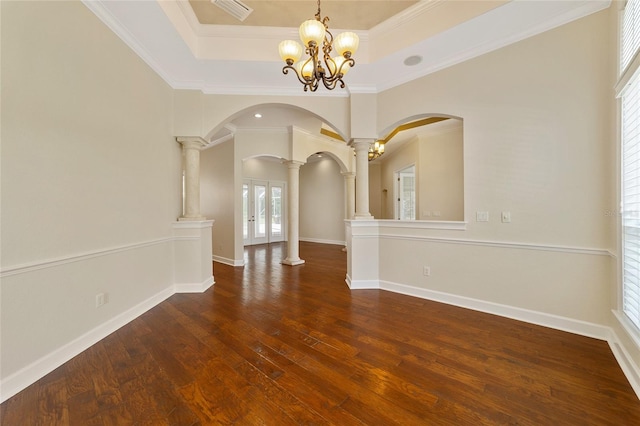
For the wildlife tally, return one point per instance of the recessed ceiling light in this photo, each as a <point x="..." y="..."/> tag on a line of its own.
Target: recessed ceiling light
<point x="257" y="115"/>
<point x="413" y="60"/>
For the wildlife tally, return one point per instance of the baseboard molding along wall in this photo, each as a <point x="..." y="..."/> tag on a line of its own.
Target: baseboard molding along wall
<point x="43" y="366"/>
<point x="582" y="328"/>
<point x="227" y="261"/>
<point x="194" y="287"/>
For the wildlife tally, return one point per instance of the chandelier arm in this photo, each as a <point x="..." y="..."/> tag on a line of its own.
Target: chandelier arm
<point x="302" y="80"/>
<point x="349" y="61"/>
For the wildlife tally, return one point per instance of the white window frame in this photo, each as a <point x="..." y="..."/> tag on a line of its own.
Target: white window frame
<point x="629" y="81"/>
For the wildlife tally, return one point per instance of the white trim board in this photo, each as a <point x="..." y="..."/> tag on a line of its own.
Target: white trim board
<point x="194" y="287"/>
<point x="322" y="241"/>
<point x="51" y="263"/>
<point x="227" y="261"/>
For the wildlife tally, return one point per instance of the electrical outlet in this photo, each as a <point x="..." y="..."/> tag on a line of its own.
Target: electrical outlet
<point x="426" y="271"/>
<point x="482" y="216"/>
<point x="101" y="299"/>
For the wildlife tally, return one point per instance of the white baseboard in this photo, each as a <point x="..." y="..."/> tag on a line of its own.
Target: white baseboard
<point x="195" y="287"/>
<point x="362" y="284"/>
<point x="227" y="261"/>
<point x="322" y="241"/>
<point x="43" y="366"/>
<point x="629" y="368"/>
<point x="557" y="322"/>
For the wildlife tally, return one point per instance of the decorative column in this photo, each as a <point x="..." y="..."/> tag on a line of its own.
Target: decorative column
<point x="191" y="146"/>
<point x="293" y="220"/>
<point x="362" y="178"/>
<point x="350" y="182"/>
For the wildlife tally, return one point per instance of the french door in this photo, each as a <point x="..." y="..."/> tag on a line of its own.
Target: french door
<point x="262" y="211"/>
<point x="406" y="194"/>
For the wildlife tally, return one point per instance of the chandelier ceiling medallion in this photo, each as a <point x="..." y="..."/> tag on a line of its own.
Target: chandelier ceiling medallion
<point x="318" y="43"/>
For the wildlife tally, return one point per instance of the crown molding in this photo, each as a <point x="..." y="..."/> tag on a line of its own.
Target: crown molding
<point x="147" y="29"/>
<point x="403" y="18"/>
<point x="486" y="43"/>
<point x="120" y="29"/>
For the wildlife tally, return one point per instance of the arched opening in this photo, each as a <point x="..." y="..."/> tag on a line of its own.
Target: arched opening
<point x="420" y="176"/>
<point x="256" y="146"/>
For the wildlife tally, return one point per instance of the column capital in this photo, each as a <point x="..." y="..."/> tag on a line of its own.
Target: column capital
<point x="349" y="175"/>
<point x="361" y="144"/>
<point x="293" y="164"/>
<point x="191" y="142"/>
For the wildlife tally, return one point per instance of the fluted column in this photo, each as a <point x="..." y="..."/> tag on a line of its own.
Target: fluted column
<point x="350" y="183"/>
<point x="191" y="146"/>
<point x="293" y="217"/>
<point x="362" y="178"/>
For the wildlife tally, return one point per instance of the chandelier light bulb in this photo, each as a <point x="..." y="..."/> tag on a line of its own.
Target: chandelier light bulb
<point x="312" y="30"/>
<point x="339" y="60"/>
<point x="305" y="69"/>
<point x="346" y="42"/>
<point x="290" y="51"/>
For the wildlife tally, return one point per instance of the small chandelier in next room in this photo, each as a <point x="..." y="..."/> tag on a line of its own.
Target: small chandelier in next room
<point x="376" y="150"/>
<point x="318" y="43"/>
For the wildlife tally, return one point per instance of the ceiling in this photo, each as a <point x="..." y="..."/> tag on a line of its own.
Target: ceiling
<point x="193" y="44"/>
<point x="354" y="15"/>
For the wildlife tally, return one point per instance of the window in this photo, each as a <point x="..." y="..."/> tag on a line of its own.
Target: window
<point x="630" y="162"/>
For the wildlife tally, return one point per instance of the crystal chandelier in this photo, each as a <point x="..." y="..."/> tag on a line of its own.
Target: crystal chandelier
<point x="329" y="70"/>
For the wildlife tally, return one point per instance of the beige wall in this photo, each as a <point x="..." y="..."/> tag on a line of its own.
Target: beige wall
<point x="537" y="143"/>
<point x="322" y="192"/>
<point x="376" y="196"/>
<point x="440" y="174"/>
<point x="90" y="180"/>
<point x="536" y="135"/>
<point x="264" y="169"/>
<point x="405" y="157"/>
<point x="217" y="198"/>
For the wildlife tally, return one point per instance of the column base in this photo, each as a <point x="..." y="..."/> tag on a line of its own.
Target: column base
<point x="292" y="262"/>
<point x="192" y="219"/>
<point x="363" y="216"/>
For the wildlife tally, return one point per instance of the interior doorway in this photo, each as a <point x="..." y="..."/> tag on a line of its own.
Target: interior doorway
<point x="263" y="211"/>
<point x="406" y="193"/>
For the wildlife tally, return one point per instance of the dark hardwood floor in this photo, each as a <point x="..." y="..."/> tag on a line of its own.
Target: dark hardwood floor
<point x="279" y="345"/>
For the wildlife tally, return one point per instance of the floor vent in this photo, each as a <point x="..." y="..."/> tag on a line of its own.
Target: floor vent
<point x="235" y="8"/>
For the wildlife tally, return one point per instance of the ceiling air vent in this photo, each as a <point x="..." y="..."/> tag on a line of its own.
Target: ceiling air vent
<point x="235" y="8"/>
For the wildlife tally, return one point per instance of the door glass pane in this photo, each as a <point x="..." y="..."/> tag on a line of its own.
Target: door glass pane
<point x="260" y="193"/>
<point x="407" y="194"/>
<point x="276" y="211"/>
<point x="245" y="211"/>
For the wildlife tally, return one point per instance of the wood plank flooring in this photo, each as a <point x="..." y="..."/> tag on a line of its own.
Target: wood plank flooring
<point x="279" y="345"/>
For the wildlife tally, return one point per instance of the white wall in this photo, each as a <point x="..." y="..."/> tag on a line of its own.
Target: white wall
<point x="322" y="195"/>
<point x="90" y="184"/>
